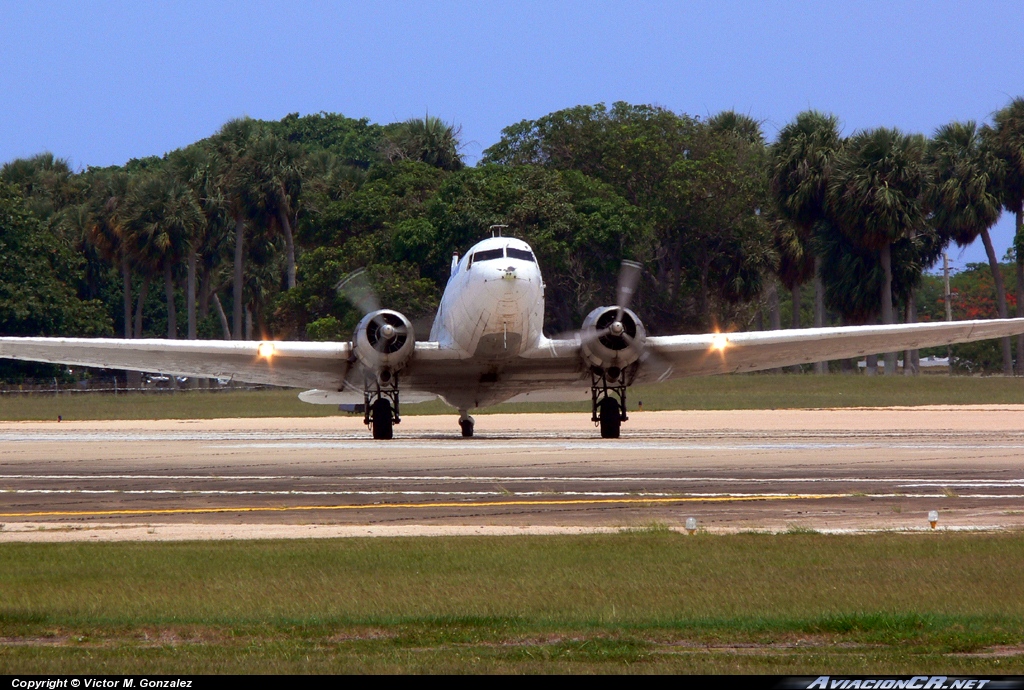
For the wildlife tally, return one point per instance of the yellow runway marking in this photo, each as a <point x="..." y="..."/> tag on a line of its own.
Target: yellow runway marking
<point x="447" y="504"/>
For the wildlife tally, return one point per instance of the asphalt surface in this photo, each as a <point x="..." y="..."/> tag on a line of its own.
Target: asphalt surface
<point x="775" y="470"/>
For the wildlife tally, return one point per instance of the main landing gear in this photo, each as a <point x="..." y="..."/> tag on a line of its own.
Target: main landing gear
<point x="466" y="423"/>
<point x="380" y="405"/>
<point x="608" y="396"/>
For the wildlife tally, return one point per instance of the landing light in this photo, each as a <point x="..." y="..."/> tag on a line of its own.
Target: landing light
<point x="719" y="341"/>
<point x="266" y="350"/>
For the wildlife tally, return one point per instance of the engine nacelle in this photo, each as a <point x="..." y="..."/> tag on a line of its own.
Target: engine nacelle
<point x="610" y="342"/>
<point x="384" y="341"/>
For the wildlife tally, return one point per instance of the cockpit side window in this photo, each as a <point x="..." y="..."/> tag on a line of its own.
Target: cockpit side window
<point x="488" y="255"/>
<point x="521" y="254"/>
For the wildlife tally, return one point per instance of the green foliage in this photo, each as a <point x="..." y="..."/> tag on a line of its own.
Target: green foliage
<point x="803" y="159"/>
<point x="46" y="183"/>
<point x="1006" y="139"/>
<point x="38" y="277"/>
<point x="390" y="195"/>
<point x="578" y="227"/>
<point x="709" y="210"/>
<point x="699" y="189"/>
<point x="876" y="189"/>
<point x="327" y="329"/>
<point x="429" y="140"/>
<point x="316" y="308"/>
<point x="852" y="275"/>
<point x="356" y="142"/>
<point x="963" y="194"/>
<point x="972" y="296"/>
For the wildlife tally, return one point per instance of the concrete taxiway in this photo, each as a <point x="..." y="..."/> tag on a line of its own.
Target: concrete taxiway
<point x="841" y="469"/>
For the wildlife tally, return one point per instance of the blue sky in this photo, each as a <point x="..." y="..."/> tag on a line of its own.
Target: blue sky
<point x="102" y="82"/>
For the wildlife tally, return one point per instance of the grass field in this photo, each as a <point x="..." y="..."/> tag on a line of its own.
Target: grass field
<point x="647" y="601"/>
<point x="760" y="391"/>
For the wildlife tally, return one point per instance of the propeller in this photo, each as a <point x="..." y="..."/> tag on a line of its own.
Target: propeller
<point x="618" y="333"/>
<point x="386" y="333"/>
<point x="356" y="288"/>
<point x="629" y="276"/>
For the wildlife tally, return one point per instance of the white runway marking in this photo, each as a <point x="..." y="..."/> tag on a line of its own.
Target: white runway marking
<point x="239" y="440"/>
<point x="636" y="494"/>
<point x="908" y="482"/>
<point x="492" y="447"/>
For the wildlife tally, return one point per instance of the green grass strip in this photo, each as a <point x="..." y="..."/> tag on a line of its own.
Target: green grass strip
<point x="643" y="600"/>
<point x="755" y="391"/>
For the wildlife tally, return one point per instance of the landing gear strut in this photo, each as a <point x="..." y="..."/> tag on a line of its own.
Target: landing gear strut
<point x="380" y="405"/>
<point x="608" y="396"/>
<point x="466" y="422"/>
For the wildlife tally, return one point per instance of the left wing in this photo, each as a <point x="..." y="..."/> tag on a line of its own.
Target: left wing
<point x="721" y="353"/>
<point x="277" y="363"/>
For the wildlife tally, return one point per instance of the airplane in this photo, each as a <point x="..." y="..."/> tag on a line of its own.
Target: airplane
<point x="487" y="346"/>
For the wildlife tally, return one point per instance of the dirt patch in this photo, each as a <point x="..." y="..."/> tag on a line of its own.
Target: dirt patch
<point x="997" y="652"/>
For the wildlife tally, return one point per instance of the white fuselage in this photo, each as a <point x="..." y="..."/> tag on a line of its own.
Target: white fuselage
<point x="493" y="306"/>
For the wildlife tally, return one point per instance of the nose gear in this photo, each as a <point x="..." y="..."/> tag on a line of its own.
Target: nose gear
<point x="466" y="423"/>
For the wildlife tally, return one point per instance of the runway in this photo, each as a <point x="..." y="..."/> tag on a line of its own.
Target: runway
<point x="837" y="470"/>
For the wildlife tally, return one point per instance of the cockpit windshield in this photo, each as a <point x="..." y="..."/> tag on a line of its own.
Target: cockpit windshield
<point x="510" y="252"/>
<point x="488" y="255"/>
<point x="521" y="254"/>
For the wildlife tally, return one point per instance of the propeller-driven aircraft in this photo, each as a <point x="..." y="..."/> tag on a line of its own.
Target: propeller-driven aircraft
<point x="487" y="346"/>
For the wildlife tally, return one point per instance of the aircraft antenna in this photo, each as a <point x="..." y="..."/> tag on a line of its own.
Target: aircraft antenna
<point x="496" y="230"/>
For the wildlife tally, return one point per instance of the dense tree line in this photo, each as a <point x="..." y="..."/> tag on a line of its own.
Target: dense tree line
<point x="248" y="233"/>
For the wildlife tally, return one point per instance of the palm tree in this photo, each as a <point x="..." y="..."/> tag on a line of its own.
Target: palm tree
<point x="738" y="124"/>
<point x="47" y="183"/>
<point x="238" y="185"/>
<point x="964" y="199"/>
<point x="796" y="262"/>
<point x="802" y="162"/>
<point x="196" y="167"/>
<point x="106" y="231"/>
<point x="795" y="267"/>
<point x="278" y="177"/>
<point x="430" y="140"/>
<point x="1007" y="141"/>
<point x="875" y="195"/>
<point x="162" y="214"/>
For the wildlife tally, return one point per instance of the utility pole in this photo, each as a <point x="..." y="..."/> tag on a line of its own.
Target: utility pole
<point x="945" y="281"/>
<point x="949" y="306"/>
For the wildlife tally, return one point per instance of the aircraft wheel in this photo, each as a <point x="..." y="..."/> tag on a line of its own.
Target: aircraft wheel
<point x="383" y="424"/>
<point x="467" y="427"/>
<point x="610" y="419"/>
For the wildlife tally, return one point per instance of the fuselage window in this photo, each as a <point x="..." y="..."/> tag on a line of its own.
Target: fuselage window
<point x="522" y="254"/>
<point x="488" y="255"/>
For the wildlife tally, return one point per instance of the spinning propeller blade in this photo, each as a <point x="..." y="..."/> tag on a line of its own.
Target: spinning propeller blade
<point x="356" y="288"/>
<point x="629" y="277"/>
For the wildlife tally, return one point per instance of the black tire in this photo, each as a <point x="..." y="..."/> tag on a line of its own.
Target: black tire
<point x="383" y="424"/>
<point x="610" y="418"/>
<point x="467" y="427"/>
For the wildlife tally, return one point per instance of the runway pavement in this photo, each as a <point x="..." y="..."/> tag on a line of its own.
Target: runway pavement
<point x="774" y="470"/>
